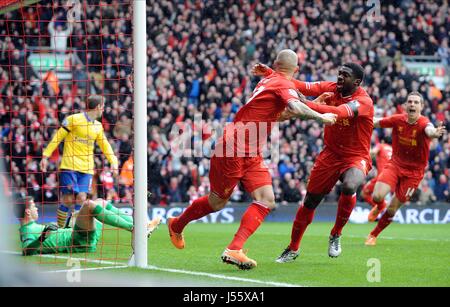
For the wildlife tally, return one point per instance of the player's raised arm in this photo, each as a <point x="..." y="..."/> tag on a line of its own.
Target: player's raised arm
<point x="107" y="150"/>
<point x="261" y="70"/>
<point x="435" y="132"/>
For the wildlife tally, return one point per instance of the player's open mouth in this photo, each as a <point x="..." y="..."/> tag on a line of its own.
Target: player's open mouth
<point x="411" y="111"/>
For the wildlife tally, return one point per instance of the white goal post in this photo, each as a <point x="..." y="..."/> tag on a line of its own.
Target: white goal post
<point x="140" y="132"/>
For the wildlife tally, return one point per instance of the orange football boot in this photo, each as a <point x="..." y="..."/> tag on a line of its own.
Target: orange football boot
<point x="373" y="214"/>
<point x="176" y="238"/>
<point x="239" y="259"/>
<point x="371" y="240"/>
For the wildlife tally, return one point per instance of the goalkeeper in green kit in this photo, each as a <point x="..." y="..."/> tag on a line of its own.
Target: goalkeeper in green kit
<point x="83" y="237"/>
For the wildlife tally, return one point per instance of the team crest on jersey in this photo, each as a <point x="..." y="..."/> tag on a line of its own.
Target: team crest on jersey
<point x="414" y="133"/>
<point x="96" y="128"/>
<point x="226" y="190"/>
<point x="400" y="129"/>
<point x="293" y="93"/>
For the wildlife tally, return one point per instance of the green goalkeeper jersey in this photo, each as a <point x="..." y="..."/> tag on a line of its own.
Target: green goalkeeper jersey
<point x="65" y="240"/>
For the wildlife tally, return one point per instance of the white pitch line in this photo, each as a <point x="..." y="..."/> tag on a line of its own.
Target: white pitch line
<point x="217" y="276"/>
<point x="152" y="267"/>
<point x="406" y="239"/>
<point x="380" y="237"/>
<point x="87" y="269"/>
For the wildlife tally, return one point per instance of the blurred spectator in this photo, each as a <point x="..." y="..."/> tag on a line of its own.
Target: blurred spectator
<point x="173" y="192"/>
<point x="426" y="195"/>
<point x="291" y="193"/>
<point x="58" y="36"/>
<point x="442" y="188"/>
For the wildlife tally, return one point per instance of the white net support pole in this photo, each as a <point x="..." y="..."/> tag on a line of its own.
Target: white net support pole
<point x="140" y="132"/>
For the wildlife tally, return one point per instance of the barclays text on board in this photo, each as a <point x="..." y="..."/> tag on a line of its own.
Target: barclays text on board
<point x="439" y="214"/>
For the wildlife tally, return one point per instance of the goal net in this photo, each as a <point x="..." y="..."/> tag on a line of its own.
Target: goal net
<point x="54" y="55"/>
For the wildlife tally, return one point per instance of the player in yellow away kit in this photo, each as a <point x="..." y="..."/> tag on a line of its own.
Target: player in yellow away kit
<point x="79" y="132"/>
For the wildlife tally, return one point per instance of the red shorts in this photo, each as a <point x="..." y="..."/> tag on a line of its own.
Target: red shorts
<point x="403" y="182"/>
<point x="225" y="173"/>
<point x="369" y="187"/>
<point x="328" y="169"/>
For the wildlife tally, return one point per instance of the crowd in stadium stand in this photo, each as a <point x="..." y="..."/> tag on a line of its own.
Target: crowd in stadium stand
<point x="199" y="58"/>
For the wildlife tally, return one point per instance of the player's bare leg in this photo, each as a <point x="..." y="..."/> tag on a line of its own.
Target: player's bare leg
<point x="384" y="222"/>
<point x="379" y="194"/>
<point x="198" y="209"/>
<point x="85" y="219"/>
<point x="263" y="203"/>
<point x="73" y="212"/>
<point x="367" y="198"/>
<point x="366" y="195"/>
<point x="303" y="218"/>
<point x="351" y="180"/>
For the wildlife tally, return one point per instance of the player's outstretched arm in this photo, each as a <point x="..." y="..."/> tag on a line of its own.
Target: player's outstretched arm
<point x="376" y="122"/>
<point x="435" y="132"/>
<point x="307" y="88"/>
<point x="301" y="110"/>
<point x="286" y="115"/>
<point x="348" y="110"/>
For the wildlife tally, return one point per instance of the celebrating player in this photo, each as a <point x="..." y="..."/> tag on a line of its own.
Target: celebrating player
<point x="345" y="157"/>
<point x="382" y="153"/>
<point x="79" y="132"/>
<point x="83" y="237"/>
<point x="411" y="136"/>
<point x="242" y="162"/>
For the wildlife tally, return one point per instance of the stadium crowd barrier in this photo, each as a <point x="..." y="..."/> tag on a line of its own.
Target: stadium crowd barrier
<point x="436" y="213"/>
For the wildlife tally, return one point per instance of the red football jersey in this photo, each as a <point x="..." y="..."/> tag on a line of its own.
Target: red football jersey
<point x="255" y="120"/>
<point x="410" y="144"/>
<point x="350" y="136"/>
<point x="384" y="155"/>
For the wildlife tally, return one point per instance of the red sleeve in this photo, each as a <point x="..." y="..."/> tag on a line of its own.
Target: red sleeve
<point x="314" y="88"/>
<point x="287" y="94"/>
<point x="388" y="122"/>
<point x="423" y="124"/>
<point x="347" y="110"/>
<point x="364" y="106"/>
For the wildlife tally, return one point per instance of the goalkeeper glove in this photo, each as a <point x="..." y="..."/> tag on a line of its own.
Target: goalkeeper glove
<point x="48" y="228"/>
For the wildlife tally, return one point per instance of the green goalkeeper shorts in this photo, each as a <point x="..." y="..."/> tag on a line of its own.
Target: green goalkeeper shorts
<point x="84" y="240"/>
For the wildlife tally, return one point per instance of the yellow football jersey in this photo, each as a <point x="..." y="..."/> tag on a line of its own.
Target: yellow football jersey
<point x="80" y="133"/>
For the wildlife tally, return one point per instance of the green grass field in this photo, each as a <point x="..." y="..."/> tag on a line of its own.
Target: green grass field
<point x="409" y="255"/>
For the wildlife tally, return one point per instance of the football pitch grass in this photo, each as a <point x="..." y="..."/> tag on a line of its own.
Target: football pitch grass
<point x="406" y="255"/>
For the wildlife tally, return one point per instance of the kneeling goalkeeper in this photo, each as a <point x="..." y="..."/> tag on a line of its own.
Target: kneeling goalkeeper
<point x="49" y="239"/>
